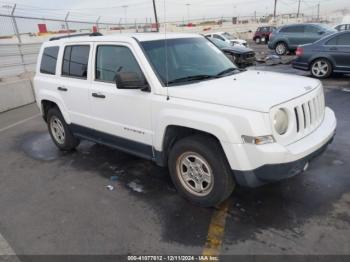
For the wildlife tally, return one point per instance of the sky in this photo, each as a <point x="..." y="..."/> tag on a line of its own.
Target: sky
<point x="171" y="10"/>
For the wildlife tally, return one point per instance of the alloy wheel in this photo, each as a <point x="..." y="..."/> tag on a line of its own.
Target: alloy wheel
<point x="57" y="130"/>
<point x="195" y="174"/>
<point x="320" y="68"/>
<point x="281" y="49"/>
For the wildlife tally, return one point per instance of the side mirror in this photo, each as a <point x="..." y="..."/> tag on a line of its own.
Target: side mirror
<point x="131" y="80"/>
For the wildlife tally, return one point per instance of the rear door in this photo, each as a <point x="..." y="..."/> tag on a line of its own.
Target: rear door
<point x="74" y="81"/>
<point x="296" y="35"/>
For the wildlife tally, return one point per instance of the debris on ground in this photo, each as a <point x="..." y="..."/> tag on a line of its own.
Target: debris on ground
<point x="346" y="89"/>
<point x="337" y="162"/>
<point x="110" y="187"/>
<point x="273" y="60"/>
<point x="114" y="178"/>
<point x="136" y="187"/>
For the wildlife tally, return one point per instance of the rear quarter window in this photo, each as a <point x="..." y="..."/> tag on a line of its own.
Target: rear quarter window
<point x="49" y="60"/>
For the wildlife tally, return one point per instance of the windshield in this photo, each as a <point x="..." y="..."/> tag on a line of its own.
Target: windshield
<point x="219" y="43"/>
<point x="229" y="36"/>
<point x="327" y="27"/>
<point x="188" y="60"/>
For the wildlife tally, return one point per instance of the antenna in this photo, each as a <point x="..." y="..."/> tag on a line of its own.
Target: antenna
<point x="166" y="55"/>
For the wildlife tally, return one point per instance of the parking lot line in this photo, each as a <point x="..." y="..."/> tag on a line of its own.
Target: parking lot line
<point x="5" y="248"/>
<point x="19" y="122"/>
<point x="216" y="230"/>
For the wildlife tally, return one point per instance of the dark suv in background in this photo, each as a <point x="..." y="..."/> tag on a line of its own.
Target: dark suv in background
<point x="287" y="38"/>
<point x="328" y="55"/>
<point x="262" y="34"/>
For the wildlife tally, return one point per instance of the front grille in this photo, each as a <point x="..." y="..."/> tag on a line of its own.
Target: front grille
<point x="249" y="55"/>
<point x="309" y="114"/>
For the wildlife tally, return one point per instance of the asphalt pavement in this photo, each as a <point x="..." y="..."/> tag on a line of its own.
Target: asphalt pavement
<point x="100" y="201"/>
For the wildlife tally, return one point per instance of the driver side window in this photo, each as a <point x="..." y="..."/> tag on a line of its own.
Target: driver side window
<point x="111" y="60"/>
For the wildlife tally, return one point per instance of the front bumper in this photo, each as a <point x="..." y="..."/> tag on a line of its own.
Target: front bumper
<point x="273" y="162"/>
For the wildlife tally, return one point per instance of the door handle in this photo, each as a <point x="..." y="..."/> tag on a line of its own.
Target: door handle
<point x="60" y="88"/>
<point x="98" y="95"/>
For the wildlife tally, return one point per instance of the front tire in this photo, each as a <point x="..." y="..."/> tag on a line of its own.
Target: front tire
<point x="60" y="132"/>
<point x="281" y="48"/>
<point x="200" y="171"/>
<point x="321" y="68"/>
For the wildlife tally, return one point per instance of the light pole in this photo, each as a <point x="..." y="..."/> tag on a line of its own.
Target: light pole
<point x="188" y="12"/>
<point x="125" y="13"/>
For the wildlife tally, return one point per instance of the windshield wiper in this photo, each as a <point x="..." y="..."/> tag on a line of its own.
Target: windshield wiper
<point x="191" y="78"/>
<point x="227" y="71"/>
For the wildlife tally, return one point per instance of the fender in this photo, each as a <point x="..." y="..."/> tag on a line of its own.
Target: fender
<point x="45" y="94"/>
<point x="216" y="125"/>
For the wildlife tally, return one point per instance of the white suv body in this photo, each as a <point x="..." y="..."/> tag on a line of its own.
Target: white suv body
<point x="249" y="127"/>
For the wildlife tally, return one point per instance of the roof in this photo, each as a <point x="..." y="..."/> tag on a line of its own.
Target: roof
<point x="124" y="37"/>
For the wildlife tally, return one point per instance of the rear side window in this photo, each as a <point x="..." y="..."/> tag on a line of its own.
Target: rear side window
<point x="293" y="29"/>
<point x="311" y="29"/>
<point x="343" y="39"/>
<point x="49" y="60"/>
<point x="75" y="61"/>
<point x="113" y="59"/>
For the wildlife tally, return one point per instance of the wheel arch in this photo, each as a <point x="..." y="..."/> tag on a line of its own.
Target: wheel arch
<point x="47" y="103"/>
<point x="174" y="133"/>
<point x="316" y="57"/>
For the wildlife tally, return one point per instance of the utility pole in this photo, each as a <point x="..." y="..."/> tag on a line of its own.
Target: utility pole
<point x="274" y="10"/>
<point x="125" y="13"/>
<point x="318" y="12"/>
<point x="298" y="9"/>
<point x="155" y="15"/>
<point x="188" y="12"/>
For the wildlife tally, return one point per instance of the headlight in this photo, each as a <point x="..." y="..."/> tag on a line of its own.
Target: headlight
<point x="280" y="121"/>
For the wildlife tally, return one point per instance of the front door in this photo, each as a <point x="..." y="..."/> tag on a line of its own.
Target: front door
<point x="123" y="116"/>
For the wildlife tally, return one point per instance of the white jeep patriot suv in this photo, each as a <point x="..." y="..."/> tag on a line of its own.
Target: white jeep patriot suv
<point x="181" y="103"/>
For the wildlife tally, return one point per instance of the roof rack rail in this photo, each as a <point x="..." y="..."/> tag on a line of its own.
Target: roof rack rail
<point x="76" y="35"/>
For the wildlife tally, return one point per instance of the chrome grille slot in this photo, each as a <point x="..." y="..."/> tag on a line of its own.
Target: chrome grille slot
<point x="309" y="114"/>
<point x="297" y="118"/>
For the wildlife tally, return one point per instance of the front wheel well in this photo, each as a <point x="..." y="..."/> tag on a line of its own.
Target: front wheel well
<point x="46" y="105"/>
<point x="175" y="133"/>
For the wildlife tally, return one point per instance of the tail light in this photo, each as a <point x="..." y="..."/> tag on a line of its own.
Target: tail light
<point x="270" y="35"/>
<point x="300" y="51"/>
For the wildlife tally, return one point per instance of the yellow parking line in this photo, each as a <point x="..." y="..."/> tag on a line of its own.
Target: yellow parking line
<point x="216" y="230"/>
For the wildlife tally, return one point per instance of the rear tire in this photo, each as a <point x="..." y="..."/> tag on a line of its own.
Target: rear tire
<point x="321" y="68"/>
<point x="60" y="132"/>
<point x="200" y="171"/>
<point x="281" y="48"/>
<point x="258" y="40"/>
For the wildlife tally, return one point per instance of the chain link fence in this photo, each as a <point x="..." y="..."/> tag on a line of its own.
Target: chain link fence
<point x="21" y="35"/>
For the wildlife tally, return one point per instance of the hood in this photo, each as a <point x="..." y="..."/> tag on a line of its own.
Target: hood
<point x="251" y="90"/>
<point x="238" y="49"/>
